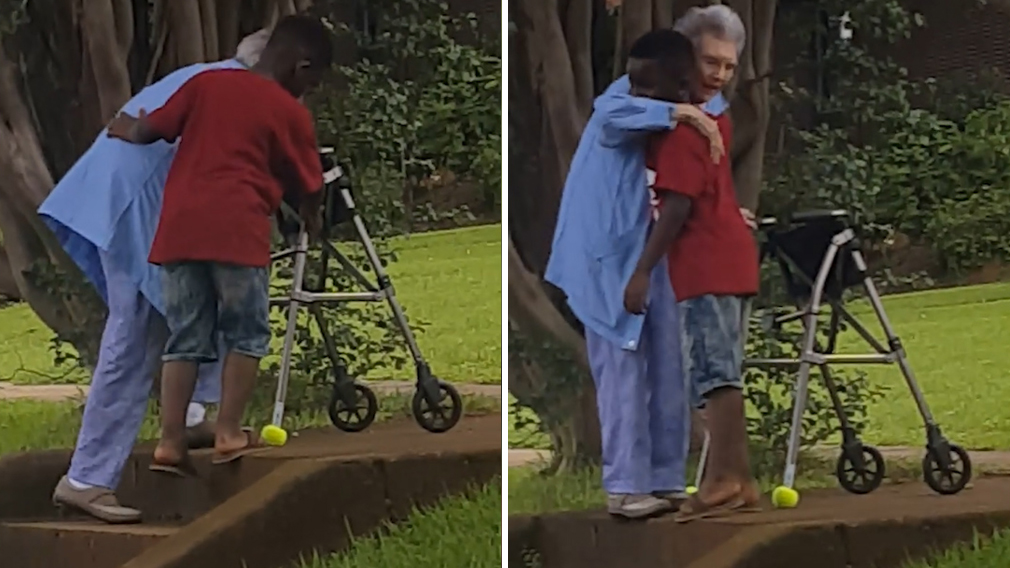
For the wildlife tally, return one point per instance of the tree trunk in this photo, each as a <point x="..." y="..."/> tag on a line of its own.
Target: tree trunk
<point x="750" y="100"/>
<point x="551" y="85"/>
<point x="8" y="287"/>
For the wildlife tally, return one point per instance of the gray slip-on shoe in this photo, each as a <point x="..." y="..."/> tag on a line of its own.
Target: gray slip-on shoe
<point x="636" y="506"/>
<point x="99" y="502"/>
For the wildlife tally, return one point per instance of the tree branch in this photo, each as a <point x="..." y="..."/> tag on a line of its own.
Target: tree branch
<point x="577" y="19"/>
<point x="123" y="10"/>
<point x="208" y="20"/>
<point x="186" y="38"/>
<point x="228" y="32"/>
<point x="751" y="98"/>
<point x="112" y="78"/>
<point x="161" y="33"/>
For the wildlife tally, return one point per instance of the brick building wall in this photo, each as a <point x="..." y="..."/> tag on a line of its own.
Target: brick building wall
<point x="958" y="36"/>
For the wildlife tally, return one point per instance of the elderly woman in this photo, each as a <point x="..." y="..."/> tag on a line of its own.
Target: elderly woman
<point x="600" y="236"/>
<point x="104" y="212"/>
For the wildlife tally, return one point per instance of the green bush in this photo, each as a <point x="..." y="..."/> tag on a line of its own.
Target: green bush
<point x="929" y="160"/>
<point x="424" y="98"/>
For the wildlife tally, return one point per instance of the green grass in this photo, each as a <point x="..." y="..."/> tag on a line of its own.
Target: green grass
<point x="36" y="425"/>
<point x="955" y="340"/>
<point x="982" y="552"/>
<point x="462" y="531"/>
<point x="449" y="279"/>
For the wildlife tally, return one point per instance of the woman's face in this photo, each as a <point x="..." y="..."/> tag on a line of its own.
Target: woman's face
<point x="717" y="61"/>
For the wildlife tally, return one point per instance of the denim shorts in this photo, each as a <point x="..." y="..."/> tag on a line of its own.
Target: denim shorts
<point x="711" y="344"/>
<point x="206" y="298"/>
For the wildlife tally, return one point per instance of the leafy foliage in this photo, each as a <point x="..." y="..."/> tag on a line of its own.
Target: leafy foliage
<point x="925" y="159"/>
<point x="423" y="101"/>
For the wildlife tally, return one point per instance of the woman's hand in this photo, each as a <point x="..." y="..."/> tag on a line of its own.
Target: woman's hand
<point x="748" y="217"/>
<point x="704" y="123"/>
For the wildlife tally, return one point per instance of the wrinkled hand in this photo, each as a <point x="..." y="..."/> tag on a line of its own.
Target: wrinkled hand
<point x="697" y="118"/>
<point x="748" y="217"/>
<point x="123" y="126"/>
<point x="636" y="293"/>
<point x="613" y="5"/>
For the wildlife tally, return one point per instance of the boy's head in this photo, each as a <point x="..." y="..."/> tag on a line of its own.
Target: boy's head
<point x="298" y="52"/>
<point x="662" y="65"/>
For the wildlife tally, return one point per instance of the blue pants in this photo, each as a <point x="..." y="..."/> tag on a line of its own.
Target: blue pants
<point x="128" y="359"/>
<point x="642" y="400"/>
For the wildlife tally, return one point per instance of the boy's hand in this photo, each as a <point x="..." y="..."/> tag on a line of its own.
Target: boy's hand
<point x="313" y="219"/>
<point x="124" y="126"/>
<point x="636" y="292"/>
<point x="697" y="118"/>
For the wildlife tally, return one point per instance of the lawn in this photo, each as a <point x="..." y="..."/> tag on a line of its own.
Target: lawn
<point x="449" y="279"/>
<point x="982" y="552"/>
<point x="433" y="537"/>
<point x="37" y="425"/>
<point x="955" y="339"/>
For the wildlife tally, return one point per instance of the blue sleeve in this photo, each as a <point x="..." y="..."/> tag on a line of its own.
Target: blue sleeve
<point x="624" y="117"/>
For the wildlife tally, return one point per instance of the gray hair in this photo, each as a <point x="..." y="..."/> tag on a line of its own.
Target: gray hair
<point x="251" y="46"/>
<point x="718" y="20"/>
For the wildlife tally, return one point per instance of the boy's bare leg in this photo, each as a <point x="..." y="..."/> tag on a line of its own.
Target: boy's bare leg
<point x="738" y="449"/>
<point x="238" y="379"/>
<point x="729" y="475"/>
<point x="178" y="380"/>
<point x="719" y="483"/>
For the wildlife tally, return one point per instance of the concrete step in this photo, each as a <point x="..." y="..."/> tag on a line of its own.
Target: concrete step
<point x="162" y="498"/>
<point x="80" y="544"/>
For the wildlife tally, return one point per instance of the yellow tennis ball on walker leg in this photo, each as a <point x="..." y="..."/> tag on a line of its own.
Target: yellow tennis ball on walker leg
<point x="691" y="490"/>
<point x="274" y="435"/>
<point x="785" y="497"/>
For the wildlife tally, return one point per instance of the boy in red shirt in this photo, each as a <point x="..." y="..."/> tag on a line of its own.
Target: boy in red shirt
<point x="245" y="140"/>
<point x="713" y="264"/>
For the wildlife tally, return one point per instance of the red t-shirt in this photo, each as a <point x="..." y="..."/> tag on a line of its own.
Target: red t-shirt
<point x="715" y="252"/>
<point x="245" y="140"/>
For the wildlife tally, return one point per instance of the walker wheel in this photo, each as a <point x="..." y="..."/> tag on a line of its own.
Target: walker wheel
<point x="861" y="478"/>
<point x="440" y="417"/>
<point x="356" y="417"/>
<point x="952" y="478"/>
